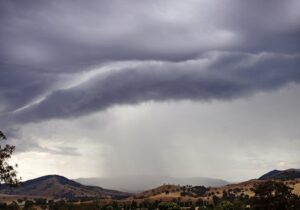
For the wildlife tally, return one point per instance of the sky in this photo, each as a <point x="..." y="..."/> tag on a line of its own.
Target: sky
<point x="175" y="88"/>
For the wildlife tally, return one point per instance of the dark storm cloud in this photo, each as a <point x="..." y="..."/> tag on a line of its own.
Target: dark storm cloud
<point x="215" y="76"/>
<point x="64" y="32"/>
<point x="20" y="85"/>
<point x="41" y="40"/>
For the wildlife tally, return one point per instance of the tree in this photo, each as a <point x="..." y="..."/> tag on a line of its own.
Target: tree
<point x="8" y="174"/>
<point x="168" y="206"/>
<point x="272" y="195"/>
<point x="133" y="205"/>
<point x="238" y="205"/>
<point x="225" y="205"/>
<point x="28" y="205"/>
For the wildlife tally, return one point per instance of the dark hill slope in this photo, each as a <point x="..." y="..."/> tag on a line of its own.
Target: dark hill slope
<point x="282" y="175"/>
<point x="59" y="187"/>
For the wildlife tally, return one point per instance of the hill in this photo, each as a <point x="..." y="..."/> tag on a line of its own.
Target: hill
<point x="141" y="183"/>
<point x="282" y="175"/>
<point x="169" y="192"/>
<point x="54" y="186"/>
<point x="193" y="193"/>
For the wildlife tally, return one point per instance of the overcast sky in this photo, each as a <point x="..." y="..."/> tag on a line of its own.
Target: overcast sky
<point x="181" y="88"/>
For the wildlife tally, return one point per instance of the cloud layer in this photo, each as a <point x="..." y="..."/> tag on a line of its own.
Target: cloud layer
<point x="217" y="76"/>
<point x="45" y="44"/>
<point x="62" y="60"/>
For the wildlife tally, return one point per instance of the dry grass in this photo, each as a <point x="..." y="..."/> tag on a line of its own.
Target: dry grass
<point x="245" y="188"/>
<point x="171" y="192"/>
<point x="238" y="189"/>
<point x="297" y="189"/>
<point x="166" y="195"/>
<point x="4" y="198"/>
<point x="159" y="190"/>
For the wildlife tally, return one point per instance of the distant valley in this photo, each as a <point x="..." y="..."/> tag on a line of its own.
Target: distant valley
<point x="142" y="182"/>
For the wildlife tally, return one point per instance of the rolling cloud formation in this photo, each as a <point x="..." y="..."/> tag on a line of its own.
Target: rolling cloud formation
<point x="194" y="50"/>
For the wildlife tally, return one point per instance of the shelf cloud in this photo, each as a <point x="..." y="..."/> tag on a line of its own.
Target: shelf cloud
<point x="219" y="76"/>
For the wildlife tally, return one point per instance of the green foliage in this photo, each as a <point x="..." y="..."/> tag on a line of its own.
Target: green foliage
<point x="216" y="199"/>
<point x="8" y="174"/>
<point x="168" y="206"/>
<point x="109" y="207"/>
<point x="133" y="205"/>
<point x="147" y="204"/>
<point x="225" y="205"/>
<point x="272" y="195"/>
<point x="238" y="205"/>
<point x="3" y="206"/>
<point x="28" y="205"/>
<point x="199" y="190"/>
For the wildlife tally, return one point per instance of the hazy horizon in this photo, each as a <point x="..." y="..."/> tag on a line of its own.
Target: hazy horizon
<point x="153" y="175"/>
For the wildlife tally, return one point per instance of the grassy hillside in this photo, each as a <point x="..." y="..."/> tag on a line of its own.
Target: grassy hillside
<point x="54" y="186"/>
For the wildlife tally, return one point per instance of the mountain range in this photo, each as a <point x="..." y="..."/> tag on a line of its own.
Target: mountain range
<point x="55" y="186"/>
<point x="141" y="183"/>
